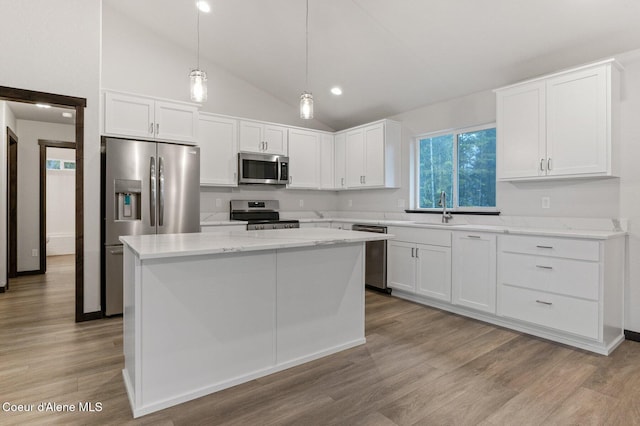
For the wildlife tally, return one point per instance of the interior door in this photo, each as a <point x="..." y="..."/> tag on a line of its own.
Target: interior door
<point x="178" y="199"/>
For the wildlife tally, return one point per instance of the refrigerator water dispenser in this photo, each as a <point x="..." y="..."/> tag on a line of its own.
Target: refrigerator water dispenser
<point x="128" y="205"/>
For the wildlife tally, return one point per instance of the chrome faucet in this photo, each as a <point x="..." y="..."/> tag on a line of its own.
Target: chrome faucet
<point x="443" y="203"/>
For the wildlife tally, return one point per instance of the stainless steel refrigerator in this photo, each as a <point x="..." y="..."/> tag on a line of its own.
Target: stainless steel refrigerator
<point x="147" y="188"/>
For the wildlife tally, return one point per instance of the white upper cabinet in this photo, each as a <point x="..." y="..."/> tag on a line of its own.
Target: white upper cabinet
<point x="263" y="138"/>
<point x="327" y="166"/>
<point x="560" y="125"/>
<point x="373" y="155"/>
<point x="340" y="160"/>
<point x="304" y="159"/>
<point x="141" y="117"/>
<point x="218" y="141"/>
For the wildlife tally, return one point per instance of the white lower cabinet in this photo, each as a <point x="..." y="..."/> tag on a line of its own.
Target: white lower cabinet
<point x="562" y="284"/>
<point x="474" y="270"/>
<point x="423" y="269"/>
<point x="565" y="289"/>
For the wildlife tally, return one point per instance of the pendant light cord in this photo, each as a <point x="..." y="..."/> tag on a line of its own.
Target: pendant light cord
<point x="306" y="81"/>
<point x="198" y="44"/>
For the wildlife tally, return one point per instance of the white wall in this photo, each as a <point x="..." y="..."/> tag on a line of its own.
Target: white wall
<point x="137" y="60"/>
<point x="29" y="185"/>
<point x="54" y="46"/>
<point x="61" y="200"/>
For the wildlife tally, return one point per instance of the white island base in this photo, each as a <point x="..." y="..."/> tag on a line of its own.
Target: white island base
<point x="196" y="324"/>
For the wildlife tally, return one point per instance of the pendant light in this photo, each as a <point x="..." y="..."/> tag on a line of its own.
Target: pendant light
<point x="197" y="77"/>
<point x="306" y="99"/>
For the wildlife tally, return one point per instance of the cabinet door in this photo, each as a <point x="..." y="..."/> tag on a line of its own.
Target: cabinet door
<point x="129" y="116"/>
<point x="250" y="135"/>
<point x="304" y="159"/>
<point x="474" y="271"/>
<point x="176" y="122"/>
<point x="327" y="174"/>
<point x="355" y="158"/>
<point x="275" y="138"/>
<point x="521" y="131"/>
<point x="577" y="124"/>
<point x="218" y="141"/>
<point x="433" y="271"/>
<point x="340" y="146"/>
<point x="373" y="155"/>
<point x="401" y="266"/>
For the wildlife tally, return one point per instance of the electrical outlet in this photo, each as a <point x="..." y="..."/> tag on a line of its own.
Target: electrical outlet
<point x="34" y="252"/>
<point x="545" y="202"/>
<point x="301" y="203"/>
<point x="218" y="202"/>
<point x="350" y="203"/>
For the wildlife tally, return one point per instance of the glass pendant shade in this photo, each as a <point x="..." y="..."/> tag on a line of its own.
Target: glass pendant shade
<point x="198" y="82"/>
<point x="306" y="105"/>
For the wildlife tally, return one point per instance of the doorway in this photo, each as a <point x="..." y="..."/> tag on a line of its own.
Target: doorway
<point x="12" y="205"/>
<point x="44" y="166"/>
<point x="79" y="104"/>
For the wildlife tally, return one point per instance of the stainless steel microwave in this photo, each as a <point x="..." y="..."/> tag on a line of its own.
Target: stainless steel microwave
<point x="263" y="169"/>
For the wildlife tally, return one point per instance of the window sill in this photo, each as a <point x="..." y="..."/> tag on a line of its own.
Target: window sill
<point x="469" y="212"/>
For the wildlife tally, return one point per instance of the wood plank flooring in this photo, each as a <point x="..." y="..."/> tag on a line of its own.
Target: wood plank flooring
<point x="420" y="366"/>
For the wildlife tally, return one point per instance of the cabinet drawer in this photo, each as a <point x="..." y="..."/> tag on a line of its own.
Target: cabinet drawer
<point x="431" y="237"/>
<point x="549" y="246"/>
<point x="550" y="310"/>
<point x="557" y="275"/>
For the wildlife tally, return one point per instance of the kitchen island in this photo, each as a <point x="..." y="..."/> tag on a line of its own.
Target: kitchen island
<point x="207" y="311"/>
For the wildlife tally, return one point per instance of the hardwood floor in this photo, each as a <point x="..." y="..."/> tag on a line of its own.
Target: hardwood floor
<point x="419" y="366"/>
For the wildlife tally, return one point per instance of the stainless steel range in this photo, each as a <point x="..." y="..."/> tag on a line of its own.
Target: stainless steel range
<point x="261" y="214"/>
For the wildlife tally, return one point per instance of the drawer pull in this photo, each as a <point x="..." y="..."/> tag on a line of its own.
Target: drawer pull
<point x="544" y="267"/>
<point x="544" y="303"/>
<point x="473" y="236"/>
<point x="545" y="247"/>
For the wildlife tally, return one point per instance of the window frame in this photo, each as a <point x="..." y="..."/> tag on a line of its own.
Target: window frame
<point x="416" y="168"/>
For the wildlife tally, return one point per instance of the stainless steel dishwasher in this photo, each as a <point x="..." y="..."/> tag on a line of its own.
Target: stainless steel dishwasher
<point x="375" y="276"/>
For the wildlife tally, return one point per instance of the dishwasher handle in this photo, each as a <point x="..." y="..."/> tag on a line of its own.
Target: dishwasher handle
<point x="370" y="228"/>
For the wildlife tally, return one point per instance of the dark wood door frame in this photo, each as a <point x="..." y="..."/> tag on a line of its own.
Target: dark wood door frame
<point x="44" y="144"/>
<point x="30" y="96"/>
<point x="12" y="205"/>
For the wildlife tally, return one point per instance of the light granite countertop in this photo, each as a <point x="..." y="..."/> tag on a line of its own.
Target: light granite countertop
<point x="193" y="244"/>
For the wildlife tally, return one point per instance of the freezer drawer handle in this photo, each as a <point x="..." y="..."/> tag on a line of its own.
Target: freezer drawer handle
<point x="544" y="303"/>
<point x="161" y="189"/>
<point x="116" y="251"/>
<point x="545" y="247"/>
<point x="152" y="199"/>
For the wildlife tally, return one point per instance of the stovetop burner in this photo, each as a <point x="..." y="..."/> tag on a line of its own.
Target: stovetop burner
<point x="260" y="214"/>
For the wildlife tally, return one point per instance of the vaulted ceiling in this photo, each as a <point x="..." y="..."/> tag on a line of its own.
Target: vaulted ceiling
<point x="391" y="56"/>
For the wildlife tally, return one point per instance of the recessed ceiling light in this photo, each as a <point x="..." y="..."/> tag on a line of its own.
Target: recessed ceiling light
<point x="203" y="6"/>
<point x="43" y="106"/>
<point x="67" y="115"/>
<point x="336" y="91"/>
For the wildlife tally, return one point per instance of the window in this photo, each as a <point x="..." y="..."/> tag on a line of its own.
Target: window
<point x="54" y="164"/>
<point x="460" y="163"/>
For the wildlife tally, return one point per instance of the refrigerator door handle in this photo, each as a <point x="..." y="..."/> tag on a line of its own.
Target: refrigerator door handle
<point x="161" y="189"/>
<point x="152" y="198"/>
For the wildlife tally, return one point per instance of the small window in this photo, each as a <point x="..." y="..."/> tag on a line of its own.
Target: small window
<point x="69" y="165"/>
<point x="460" y="163"/>
<point x="55" y="164"/>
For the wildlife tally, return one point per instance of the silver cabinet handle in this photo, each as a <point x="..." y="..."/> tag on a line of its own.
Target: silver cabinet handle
<point x="235" y="176"/>
<point x="417" y="249"/>
<point x="116" y="250"/>
<point x="151" y="128"/>
<point x="157" y="129"/>
<point x="548" y="163"/>
<point x="161" y="190"/>
<point x="342" y="182"/>
<point x="266" y="146"/>
<point x="544" y="303"/>
<point x="364" y="179"/>
<point x="545" y="247"/>
<point x="152" y="198"/>
<point x="542" y="164"/>
<point x="290" y="179"/>
<point x="544" y="267"/>
<point x="473" y="236"/>
<point x="413" y="250"/>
